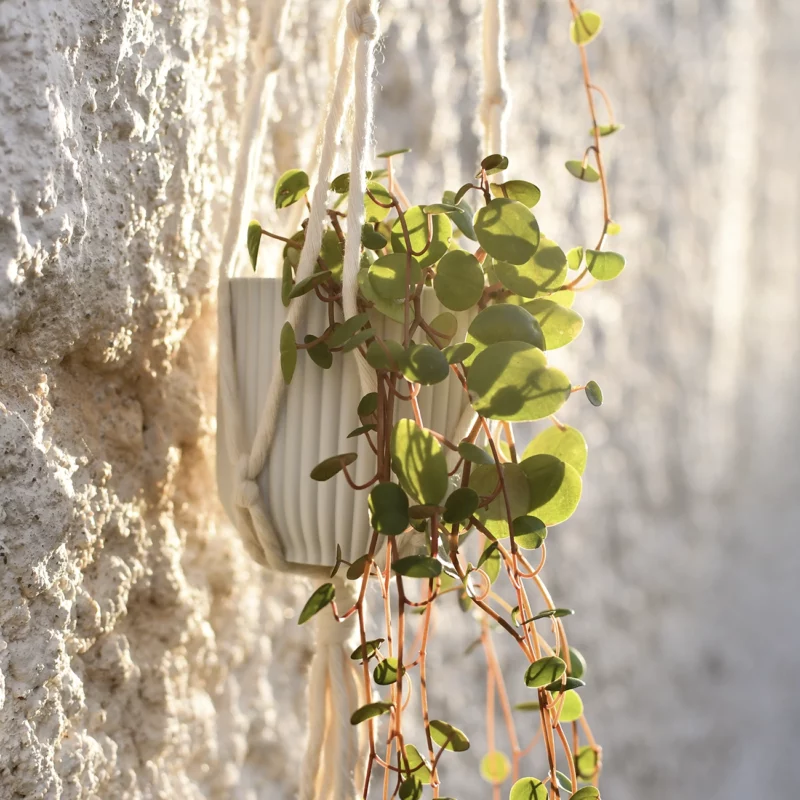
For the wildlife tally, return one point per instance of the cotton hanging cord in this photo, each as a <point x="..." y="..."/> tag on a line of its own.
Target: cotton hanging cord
<point x="496" y="98"/>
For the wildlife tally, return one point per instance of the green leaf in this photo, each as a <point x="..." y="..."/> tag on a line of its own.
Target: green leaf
<point x="544" y="272"/>
<point x="564" y="443"/>
<point x="386" y="354"/>
<point x="368" y="650"/>
<point x="586" y="763"/>
<point x="287" y="282"/>
<point x="490" y="561"/>
<point x="594" y="393"/>
<point x="419" y="766"/>
<point x="373" y="212"/>
<point x="495" y="767"/>
<point x="369" y="711"/>
<point x="577" y="664"/>
<point x="574" y="258"/>
<point x="507" y="230"/>
<point x="604" y="265"/>
<point x="288" y="348"/>
<point x="552" y="613"/>
<point x="555" y="488"/>
<point x="417" y="222"/>
<point x="425" y="364"/>
<point x="503" y="323"/>
<point x="368" y="405"/>
<point x="320" y="353"/>
<point x="388" y="276"/>
<point x="563" y="781"/>
<point x="528" y="789"/>
<point x="460" y="505"/>
<point x="320" y="598"/>
<point x="446" y="326"/>
<point x="458" y="353"/>
<point x="471" y="452"/>
<point x="411" y="789"/>
<point x="385" y="672"/>
<point x="417" y="567"/>
<point x="442" y="732"/>
<point x="253" y="242"/>
<point x="572" y="709"/>
<point x="341" y="183"/>
<point x="459" y="280"/>
<point x="389" y="308"/>
<point x="523" y="192"/>
<point x="332" y="254"/>
<point x="390" y="153"/>
<point x="544" y="671"/>
<point x="309" y="284"/>
<point x="389" y="506"/>
<point x="326" y="469"/>
<point x="613" y="228"/>
<point x="462" y="216"/>
<point x="419" y="462"/>
<point x="347" y="329"/>
<point x="585" y="27"/>
<point x="584" y="172"/>
<point x="587" y="793"/>
<point x="457" y="197"/>
<point x="361" y="430"/>
<point x="291" y="186"/>
<point x="356" y="570"/>
<point x="440" y="208"/>
<point x="511" y="381"/>
<point x="559" y="325"/>
<point x="529" y="532"/>
<point x="484" y="481"/>
<point x="494" y="163"/>
<point x="564" y="685"/>
<point x="606" y="130"/>
<point x="371" y="239"/>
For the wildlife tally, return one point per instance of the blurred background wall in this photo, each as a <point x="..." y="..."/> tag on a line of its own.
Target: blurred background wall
<point x="141" y="654"/>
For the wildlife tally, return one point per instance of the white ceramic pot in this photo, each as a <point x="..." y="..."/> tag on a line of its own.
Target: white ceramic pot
<point x="318" y="412"/>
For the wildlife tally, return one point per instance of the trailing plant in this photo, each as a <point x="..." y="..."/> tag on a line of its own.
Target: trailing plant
<point x="453" y="518"/>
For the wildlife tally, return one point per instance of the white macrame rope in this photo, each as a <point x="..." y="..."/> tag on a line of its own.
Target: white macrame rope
<point x="496" y="96"/>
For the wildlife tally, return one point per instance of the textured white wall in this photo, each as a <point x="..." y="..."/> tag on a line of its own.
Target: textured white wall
<point x="141" y="654"/>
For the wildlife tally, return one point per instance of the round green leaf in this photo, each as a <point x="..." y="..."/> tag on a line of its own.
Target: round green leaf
<point x="604" y="265"/>
<point x="564" y="685"/>
<point x="389" y="506"/>
<point x="523" y="192"/>
<point x="577" y="664"/>
<point x="385" y="672"/>
<point x="594" y="393"/>
<point x="606" y="130"/>
<point x="320" y="353"/>
<point x="253" y="242"/>
<point x="371" y="239"/>
<point x="287" y="282"/>
<point x="361" y="430"/>
<point x="574" y="258"/>
<point x="386" y="354"/>
<point x="555" y="488"/>
<point x="462" y="216"/>
<point x="490" y="561"/>
<point x="439" y="208"/>
<point x="309" y="284"/>
<point x="442" y="732"/>
<point x="445" y="325"/>
<point x="459" y="280"/>
<point x="511" y="381"/>
<point x="411" y="789"/>
<point x="494" y="163"/>
<point x="483" y="480"/>
<point x="356" y="570"/>
<point x="366" y="650"/>
<point x="368" y="405"/>
<point x="288" y="348"/>
<point x="372" y="211"/>
<point x="613" y="228"/>
<point x="417" y="567"/>
<point x="587" y="793"/>
<point x="418" y="766"/>
<point x="417" y="222"/>
<point x="552" y="613"/>
<point x="291" y="186"/>
<point x="419" y="462"/>
<point x="559" y="325"/>
<point x="585" y="27"/>
<point x="332" y="254"/>
<point x="461" y="504"/>
<point x="564" y="443"/>
<point x="502" y="323"/>
<point x="563" y="781"/>
<point x="458" y="353"/>
<point x="507" y="230"/>
<point x="528" y="789"/>
<point x="584" y="172"/>
<point x="544" y="671"/>
<point x="425" y="364"/>
<point x="390" y="153"/>
<point x="573" y="707"/>
<point x="369" y="711"/>
<point x="586" y="763"/>
<point x="321" y="597"/>
<point x="346" y="330"/>
<point x="388" y="276"/>
<point x="326" y="469"/>
<point x="529" y="532"/>
<point x="477" y="455"/>
<point x="545" y="271"/>
<point x="495" y="767"/>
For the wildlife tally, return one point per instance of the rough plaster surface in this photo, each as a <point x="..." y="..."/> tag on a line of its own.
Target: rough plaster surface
<point x="141" y="654"/>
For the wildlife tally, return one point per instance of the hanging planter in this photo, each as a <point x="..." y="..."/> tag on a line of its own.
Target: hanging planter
<point x="366" y="405"/>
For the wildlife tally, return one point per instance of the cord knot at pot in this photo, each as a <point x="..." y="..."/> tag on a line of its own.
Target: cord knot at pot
<point x="361" y="20"/>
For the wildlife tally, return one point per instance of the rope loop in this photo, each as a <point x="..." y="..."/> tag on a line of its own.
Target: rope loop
<point x="361" y="21"/>
<point x="247" y="492"/>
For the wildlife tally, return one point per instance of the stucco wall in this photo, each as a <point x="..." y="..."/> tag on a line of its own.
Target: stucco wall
<point x="141" y="654"/>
